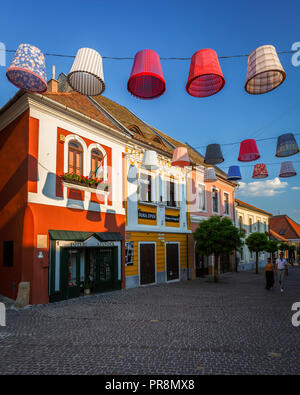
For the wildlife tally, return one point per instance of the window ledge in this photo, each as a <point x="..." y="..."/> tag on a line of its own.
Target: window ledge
<point x="147" y="203"/>
<point x="84" y="188"/>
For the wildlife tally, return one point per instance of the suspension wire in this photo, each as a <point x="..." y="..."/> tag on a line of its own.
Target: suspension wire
<point x="162" y="58"/>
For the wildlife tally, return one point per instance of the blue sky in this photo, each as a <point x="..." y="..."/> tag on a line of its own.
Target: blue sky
<point x="178" y="29"/>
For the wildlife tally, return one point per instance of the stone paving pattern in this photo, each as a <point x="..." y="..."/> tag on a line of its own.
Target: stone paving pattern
<point x="189" y="327"/>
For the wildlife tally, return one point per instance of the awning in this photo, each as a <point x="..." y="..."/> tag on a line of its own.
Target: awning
<point x="71" y="235"/>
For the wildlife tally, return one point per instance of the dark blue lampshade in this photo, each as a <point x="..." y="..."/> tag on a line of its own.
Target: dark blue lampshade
<point x="234" y="173"/>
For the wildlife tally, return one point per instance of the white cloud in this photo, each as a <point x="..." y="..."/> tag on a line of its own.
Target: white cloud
<point x="262" y="188"/>
<point x="296" y="188"/>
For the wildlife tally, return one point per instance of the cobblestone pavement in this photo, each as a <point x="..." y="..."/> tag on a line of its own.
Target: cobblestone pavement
<point x="190" y="327"/>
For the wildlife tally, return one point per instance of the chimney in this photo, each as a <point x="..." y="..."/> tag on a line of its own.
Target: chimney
<point x="53" y="83"/>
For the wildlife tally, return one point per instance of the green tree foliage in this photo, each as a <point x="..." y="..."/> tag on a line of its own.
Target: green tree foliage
<point x="283" y="247"/>
<point x="272" y="247"/>
<point x="217" y="236"/>
<point x="257" y="242"/>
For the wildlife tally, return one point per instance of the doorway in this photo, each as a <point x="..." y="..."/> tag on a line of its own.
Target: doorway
<point x="147" y="263"/>
<point x="172" y="261"/>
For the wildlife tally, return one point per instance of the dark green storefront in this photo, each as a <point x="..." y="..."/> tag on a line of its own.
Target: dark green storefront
<point x="83" y="260"/>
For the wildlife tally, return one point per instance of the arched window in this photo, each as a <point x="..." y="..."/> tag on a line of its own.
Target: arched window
<point x="96" y="164"/>
<point x="75" y="158"/>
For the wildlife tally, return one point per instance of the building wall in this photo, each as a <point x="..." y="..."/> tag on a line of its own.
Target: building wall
<point x="260" y="223"/>
<point x="17" y="165"/>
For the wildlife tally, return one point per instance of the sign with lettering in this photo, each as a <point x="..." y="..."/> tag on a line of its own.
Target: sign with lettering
<point x="146" y="215"/>
<point x="172" y="218"/>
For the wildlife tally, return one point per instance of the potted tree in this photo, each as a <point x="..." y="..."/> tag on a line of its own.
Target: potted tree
<point x="257" y="242"/>
<point x="87" y="285"/>
<point x="217" y="236"/>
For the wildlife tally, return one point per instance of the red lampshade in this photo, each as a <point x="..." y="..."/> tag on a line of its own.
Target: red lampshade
<point x="146" y="80"/>
<point x="181" y="157"/>
<point x="248" y="151"/>
<point x="205" y="77"/>
<point x="260" y="171"/>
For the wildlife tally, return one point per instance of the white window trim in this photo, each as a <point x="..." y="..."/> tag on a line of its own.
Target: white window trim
<point x="252" y="218"/>
<point x="75" y="137"/>
<point x="103" y="152"/>
<point x="165" y="180"/>
<point x="198" y="202"/>
<point x="153" y="178"/>
<point x="229" y="211"/>
<point x="212" y="204"/>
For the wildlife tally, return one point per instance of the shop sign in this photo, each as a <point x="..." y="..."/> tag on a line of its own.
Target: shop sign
<point x="146" y="215"/>
<point x="172" y="218"/>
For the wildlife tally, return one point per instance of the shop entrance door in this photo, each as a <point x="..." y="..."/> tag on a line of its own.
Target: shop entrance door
<point x="201" y="265"/>
<point x="70" y="266"/>
<point x="147" y="263"/>
<point x="105" y="269"/>
<point x="172" y="259"/>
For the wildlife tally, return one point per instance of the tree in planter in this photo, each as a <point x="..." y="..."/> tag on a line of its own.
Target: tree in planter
<point x="272" y="247"/>
<point x="217" y="236"/>
<point x="257" y="242"/>
<point x="292" y="249"/>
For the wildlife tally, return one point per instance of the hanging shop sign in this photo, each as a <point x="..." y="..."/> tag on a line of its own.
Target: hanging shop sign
<point x="172" y="218"/>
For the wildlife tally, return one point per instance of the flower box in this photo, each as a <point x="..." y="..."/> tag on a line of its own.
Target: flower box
<point x="82" y="182"/>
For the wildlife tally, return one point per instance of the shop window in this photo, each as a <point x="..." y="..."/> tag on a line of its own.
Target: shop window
<point x="145" y="188"/>
<point x="96" y="164"/>
<point x="8" y="253"/>
<point x="128" y="253"/>
<point x="75" y="158"/>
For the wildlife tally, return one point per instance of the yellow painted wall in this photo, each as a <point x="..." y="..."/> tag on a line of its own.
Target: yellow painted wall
<point x="172" y="212"/>
<point x="147" y="209"/>
<point x="137" y="237"/>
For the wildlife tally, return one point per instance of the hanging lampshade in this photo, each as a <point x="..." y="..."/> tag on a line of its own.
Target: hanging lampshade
<point x="287" y="170"/>
<point x="210" y="175"/>
<point x="27" y="70"/>
<point x="264" y="71"/>
<point x="180" y="157"/>
<point x="146" y="80"/>
<point x="150" y="161"/>
<point x="248" y="151"/>
<point x="260" y="171"/>
<point x="213" y="154"/>
<point x="132" y="174"/>
<point x="234" y="173"/>
<point x="86" y="75"/>
<point x="205" y="76"/>
<point x="286" y="145"/>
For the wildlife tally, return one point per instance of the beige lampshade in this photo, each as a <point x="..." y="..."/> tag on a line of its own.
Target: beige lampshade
<point x="86" y="75"/>
<point x="150" y="161"/>
<point x="210" y="174"/>
<point x="264" y="71"/>
<point x="181" y="157"/>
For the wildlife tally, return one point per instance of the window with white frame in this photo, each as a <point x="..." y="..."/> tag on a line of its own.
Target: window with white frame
<point x="241" y="222"/>
<point x="250" y="224"/>
<point x="258" y="225"/>
<point x="171" y="192"/>
<point x="145" y="187"/>
<point x="226" y="204"/>
<point x="265" y="226"/>
<point x="215" y="200"/>
<point x="201" y="197"/>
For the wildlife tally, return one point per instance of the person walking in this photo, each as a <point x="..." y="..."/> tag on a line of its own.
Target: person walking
<point x="282" y="270"/>
<point x="269" y="271"/>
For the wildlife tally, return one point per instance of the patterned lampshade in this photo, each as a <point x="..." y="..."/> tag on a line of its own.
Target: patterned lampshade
<point x="287" y="170"/>
<point x="205" y="76"/>
<point x="181" y="157"/>
<point x="248" y="151"/>
<point x="146" y="80"/>
<point x="234" y="173"/>
<point x="213" y="154"/>
<point x="286" y="145"/>
<point x="150" y="161"/>
<point x="260" y="171"/>
<point x="264" y="71"/>
<point x="86" y="75"/>
<point x="210" y="175"/>
<point x="27" y="70"/>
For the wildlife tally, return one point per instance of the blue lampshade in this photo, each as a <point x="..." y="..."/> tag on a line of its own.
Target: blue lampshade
<point x="27" y="70"/>
<point x="234" y="173"/>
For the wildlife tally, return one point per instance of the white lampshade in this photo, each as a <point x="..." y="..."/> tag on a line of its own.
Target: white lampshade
<point x="210" y="174"/>
<point x="86" y="75"/>
<point x="150" y="161"/>
<point x="132" y="174"/>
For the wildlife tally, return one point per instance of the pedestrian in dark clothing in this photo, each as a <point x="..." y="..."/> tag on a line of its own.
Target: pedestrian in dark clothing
<point x="269" y="274"/>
